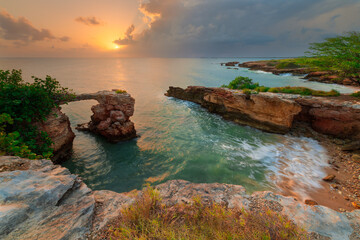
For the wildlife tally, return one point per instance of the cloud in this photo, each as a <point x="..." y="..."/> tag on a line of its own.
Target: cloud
<point x="128" y="39"/>
<point x="235" y="27"/>
<point x="64" y="39"/>
<point x="90" y="21"/>
<point x="22" y="32"/>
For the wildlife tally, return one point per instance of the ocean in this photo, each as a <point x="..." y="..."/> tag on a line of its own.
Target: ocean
<point x="178" y="139"/>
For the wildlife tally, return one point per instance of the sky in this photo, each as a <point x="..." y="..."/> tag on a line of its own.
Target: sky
<point x="171" y="28"/>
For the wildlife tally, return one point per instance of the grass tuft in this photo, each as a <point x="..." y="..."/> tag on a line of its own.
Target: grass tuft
<point x="150" y="218"/>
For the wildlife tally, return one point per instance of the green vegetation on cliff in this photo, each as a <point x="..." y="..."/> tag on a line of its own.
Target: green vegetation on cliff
<point x="21" y="105"/>
<point x="338" y="55"/>
<point x="150" y="218"/>
<point x="246" y="84"/>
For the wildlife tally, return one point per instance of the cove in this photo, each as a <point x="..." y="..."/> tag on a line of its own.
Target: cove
<point x="178" y="140"/>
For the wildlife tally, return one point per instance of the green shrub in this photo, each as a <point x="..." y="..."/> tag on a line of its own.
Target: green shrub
<point x="288" y="65"/>
<point x="304" y="91"/>
<point x="262" y="89"/>
<point x="150" y="218"/>
<point x="27" y="103"/>
<point x="356" y="94"/>
<point x="246" y="91"/>
<point x="249" y="87"/>
<point x="242" y="83"/>
<point x="120" y="91"/>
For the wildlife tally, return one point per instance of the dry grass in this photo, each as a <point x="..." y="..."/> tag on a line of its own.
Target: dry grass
<point x="149" y="218"/>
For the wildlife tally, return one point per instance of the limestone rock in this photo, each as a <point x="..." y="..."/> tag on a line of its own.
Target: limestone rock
<point x="57" y="126"/>
<point x="111" y="117"/>
<point x="43" y="201"/>
<point x="356" y="158"/>
<point x="311" y="202"/>
<point x="319" y="220"/>
<point x="329" y="178"/>
<point x="276" y="112"/>
<point x="265" y="112"/>
<point x="40" y="200"/>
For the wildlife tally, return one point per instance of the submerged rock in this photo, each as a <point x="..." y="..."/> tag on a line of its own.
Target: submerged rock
<point x="111" y="117"/>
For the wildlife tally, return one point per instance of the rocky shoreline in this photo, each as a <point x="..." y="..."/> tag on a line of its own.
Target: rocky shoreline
<point x="334" y="122"/>
<point x="40" y="200"/>
<point x="276" y="112"/>
<point x="309" y="74"/>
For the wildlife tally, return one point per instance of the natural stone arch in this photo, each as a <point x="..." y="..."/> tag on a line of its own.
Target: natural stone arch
<point x="111" y="118"/>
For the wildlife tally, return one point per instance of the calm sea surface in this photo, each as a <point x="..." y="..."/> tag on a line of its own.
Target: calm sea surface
<point x="178" y="140"/>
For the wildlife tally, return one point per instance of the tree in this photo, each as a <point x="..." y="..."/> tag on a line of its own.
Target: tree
<point x="341" y="53"/>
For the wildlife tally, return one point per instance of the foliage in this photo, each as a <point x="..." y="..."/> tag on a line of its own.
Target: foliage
<point x="11" y="143"/>
<point x="119" y="91"/>
<point x="304" y="91"/>
<point x="288" y="65"/>
<point x="248" y="87"/>
<point x="26" y="103"/>
<point x="356" y="94"/>
<point x="340" y="53"/>
<point x="242" y="83"/>
<point x="150" y="218"/>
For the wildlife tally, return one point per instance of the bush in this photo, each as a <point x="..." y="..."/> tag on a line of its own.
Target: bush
<point x="249" y="87"/>
<point x="120" y="91"/>
<point x="356" y="94"/>
<point x="287" y="65"/>
<point x="242" y="83"/>
<point x="304" y="91"/>
<point x="27" y="103"/>
<point x="150" y="218"/>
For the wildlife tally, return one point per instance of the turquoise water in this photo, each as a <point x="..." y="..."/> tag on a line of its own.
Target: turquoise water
<point x="178" y="140"/>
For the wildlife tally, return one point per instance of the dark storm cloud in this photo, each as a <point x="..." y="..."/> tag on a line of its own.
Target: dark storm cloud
<point x="22" y="32"/>
<point x="235" y="27"/>
<point x="90" y="21"/>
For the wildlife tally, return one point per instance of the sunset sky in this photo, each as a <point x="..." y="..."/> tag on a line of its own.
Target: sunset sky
<point x="170" y="28"/>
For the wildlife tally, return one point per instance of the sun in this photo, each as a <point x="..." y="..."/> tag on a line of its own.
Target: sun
<point x="116" y="47"/>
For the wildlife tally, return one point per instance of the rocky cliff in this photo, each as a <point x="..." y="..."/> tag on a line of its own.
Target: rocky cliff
<point x="57" y="126"/>
<point x="267" y="113"/>
<point x="40" y="200"/>
<point x="111" y="117"/>
<point x="276" y="112"/>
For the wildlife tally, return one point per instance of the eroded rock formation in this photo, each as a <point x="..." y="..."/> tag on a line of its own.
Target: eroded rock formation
<point x="57" y="126"/>
<point x="267" y="113"/>
<point x="111" y="117"/>
<point x="276" y="112"/>
<point x="40" y="200"/>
